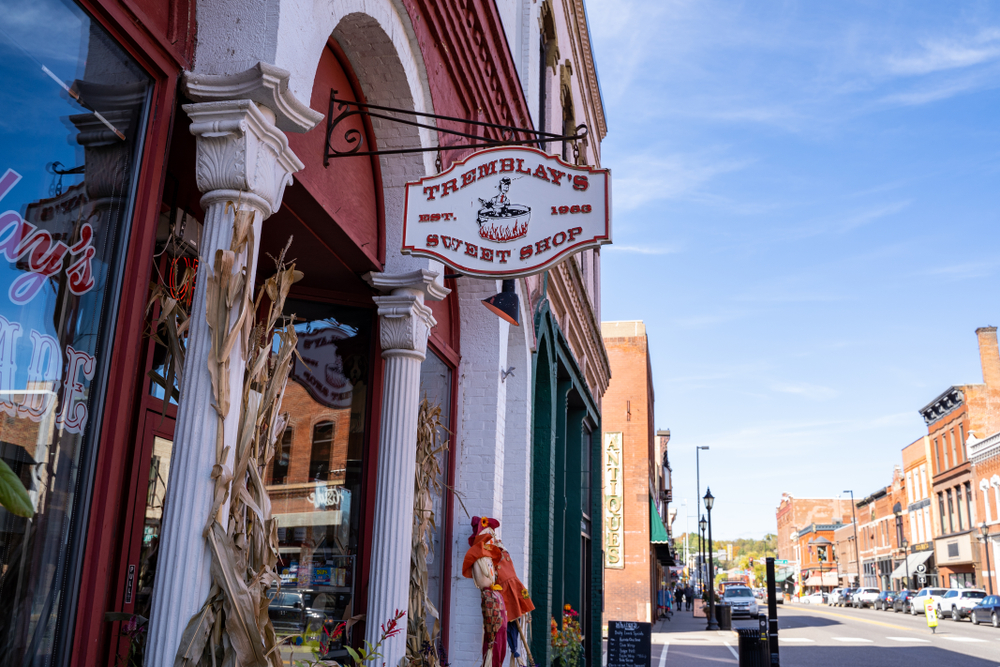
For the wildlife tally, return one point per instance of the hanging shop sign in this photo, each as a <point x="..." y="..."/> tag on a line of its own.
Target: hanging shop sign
<point x="507" y="212"/>
<point x="614" y="499"/>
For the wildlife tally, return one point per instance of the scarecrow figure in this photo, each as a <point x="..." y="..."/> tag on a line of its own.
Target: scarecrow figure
<point x="480" y="564"/>
<point x="517" y="603"/>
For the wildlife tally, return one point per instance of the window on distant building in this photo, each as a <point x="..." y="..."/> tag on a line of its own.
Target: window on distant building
<point x="951" y="511"/>
<point x="968" y="503"/>
<point x="954" y="449"/>
<point x="941" y="511"/>
<point x="961" y="431"/>
<point x="958" y="506"/>
<point x="322" y="445"/>
<point x="909" y="488"/>
<point x="937" y="457"/>
<point x="279" y="473"/>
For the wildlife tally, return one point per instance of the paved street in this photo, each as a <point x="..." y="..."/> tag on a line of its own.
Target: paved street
<point x="821" y="636"/>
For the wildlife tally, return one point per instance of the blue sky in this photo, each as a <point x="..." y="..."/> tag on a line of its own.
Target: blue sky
<point x="806" y="208"/>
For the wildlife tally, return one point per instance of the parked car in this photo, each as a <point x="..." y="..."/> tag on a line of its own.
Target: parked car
<point x="832" y="596"/>
<point x="287" y="610"/>
<point x="865" y="597"/>
<point x="844" y="597"/>
<point x="742" y="600"/>
<point x="920" y="599"/>
<point x="958" y="603"/>
<point x="884" y="601"/>
<point x="988" y="609"/>
<point x="902" y="602"/>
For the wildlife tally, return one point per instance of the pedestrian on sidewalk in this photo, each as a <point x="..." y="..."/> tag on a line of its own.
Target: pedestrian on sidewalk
<point x="678" y="597"/>
<point x="688" y="596"/>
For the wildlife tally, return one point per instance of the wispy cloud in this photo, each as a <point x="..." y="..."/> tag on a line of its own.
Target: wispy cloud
<point x="964" y="270"/>
<point x="805" y="389"/>
<point x="644" y="250"/>
<point x="868" y="216"/>
<point x="641" y="180"/>
<point x="936" y="55"/>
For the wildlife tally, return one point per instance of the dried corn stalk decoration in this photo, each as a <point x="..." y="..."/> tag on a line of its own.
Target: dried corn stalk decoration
<point x="421" y="637"/>
<point x="233" y="628"/>
<point x="169" y="331"/>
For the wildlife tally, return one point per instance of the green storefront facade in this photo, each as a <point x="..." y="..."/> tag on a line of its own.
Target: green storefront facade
<point x="566" y="545"/>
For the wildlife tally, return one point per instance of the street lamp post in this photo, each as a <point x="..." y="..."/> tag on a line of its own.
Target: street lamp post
<point x="857" y="556"/>
<point x="985" y="532"/>
<point x="703" y="524"/>
<point x="697" y="476"/>
<point x="712" y="625"/>
<point x="906" y="559"/>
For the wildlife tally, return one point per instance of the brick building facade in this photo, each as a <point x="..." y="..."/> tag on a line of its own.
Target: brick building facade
<point x="958" y="413"/>
<point x="628" y="418"/>
<point x="985" y="456"/>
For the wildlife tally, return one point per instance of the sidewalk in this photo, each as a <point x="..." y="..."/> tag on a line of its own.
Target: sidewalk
<point x="684" y="642"/>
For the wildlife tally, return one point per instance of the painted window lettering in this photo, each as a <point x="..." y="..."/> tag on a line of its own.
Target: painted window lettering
<point x="43" y="257"/>
<point x="38" y="397"/>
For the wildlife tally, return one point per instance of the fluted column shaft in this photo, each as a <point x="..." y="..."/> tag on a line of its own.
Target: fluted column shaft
<point x="404" y="325"/>
<point x="241" y="158"/>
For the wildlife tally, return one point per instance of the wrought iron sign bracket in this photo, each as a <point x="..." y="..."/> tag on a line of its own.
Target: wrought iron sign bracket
<point x="345" y="109"/>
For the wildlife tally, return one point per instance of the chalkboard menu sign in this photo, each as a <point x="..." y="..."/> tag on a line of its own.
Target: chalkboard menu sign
<point x="628" y="644"/>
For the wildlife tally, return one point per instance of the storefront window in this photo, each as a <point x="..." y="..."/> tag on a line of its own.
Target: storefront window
<point x="435" y="386"/>
<point x="316" y="480"/>
<point x="74" y="110"/>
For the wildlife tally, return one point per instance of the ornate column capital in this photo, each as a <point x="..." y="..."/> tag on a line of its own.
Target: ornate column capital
<point x="405" y="323"/>
<point x="241" y="153"/>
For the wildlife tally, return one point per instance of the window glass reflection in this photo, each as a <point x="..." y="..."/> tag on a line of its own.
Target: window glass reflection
<point x="315" y="482"/>
<point x="74" y="108"/>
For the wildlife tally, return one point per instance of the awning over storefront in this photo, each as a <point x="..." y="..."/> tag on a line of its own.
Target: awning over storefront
<point x="783" y="573"/>
<point x="659" y="537"/>
<point x="911" y="562"/>
<point x="657" y="531"/>
<point x="829" y="579"/>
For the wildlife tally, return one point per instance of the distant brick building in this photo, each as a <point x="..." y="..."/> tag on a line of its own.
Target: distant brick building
<point x="920" y="514"/>
<point x="882" y="526"/>
<point x="958" y="413"/>
<point x="985" y="456"/>
<point x="631" y="454"/>
<point x="793" y="514"/>
<point x="846" y="555"/>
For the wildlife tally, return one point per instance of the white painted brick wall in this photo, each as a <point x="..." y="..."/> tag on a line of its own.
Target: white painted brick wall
<point x="517" y="445"/>
<point x="479" y="470"/>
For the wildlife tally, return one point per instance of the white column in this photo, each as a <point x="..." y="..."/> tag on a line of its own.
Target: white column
<point x="404" y="325"/>
<point x="241" y="157"/>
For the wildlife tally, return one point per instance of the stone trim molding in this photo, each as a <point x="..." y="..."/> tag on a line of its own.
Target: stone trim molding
<point x="263" y="83"/>
<point x="241" y="153"/>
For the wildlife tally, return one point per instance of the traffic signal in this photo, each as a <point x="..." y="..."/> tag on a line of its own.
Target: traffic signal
<point x="751" y="561"/>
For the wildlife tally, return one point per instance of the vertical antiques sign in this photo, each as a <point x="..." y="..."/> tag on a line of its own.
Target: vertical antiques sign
<point x="614" y="521"/>
<point x="507" y="212"/>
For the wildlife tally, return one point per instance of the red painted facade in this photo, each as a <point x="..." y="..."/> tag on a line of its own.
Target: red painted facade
<point x="336" y="215"/>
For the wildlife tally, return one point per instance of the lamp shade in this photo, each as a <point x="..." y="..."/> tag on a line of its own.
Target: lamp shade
<point x="505" y="304"/>
<point x="703" y="524"/>
<point x="709" y="499"/>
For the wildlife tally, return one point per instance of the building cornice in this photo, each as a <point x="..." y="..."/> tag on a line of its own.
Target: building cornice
<point x="585" y="49"/>
<point x="950" y="399"/>
<point x="980" y="450"/>
<point x="579" y="323"/>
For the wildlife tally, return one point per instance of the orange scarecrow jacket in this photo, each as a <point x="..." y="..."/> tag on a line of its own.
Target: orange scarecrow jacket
<point x="515" y="596"/>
